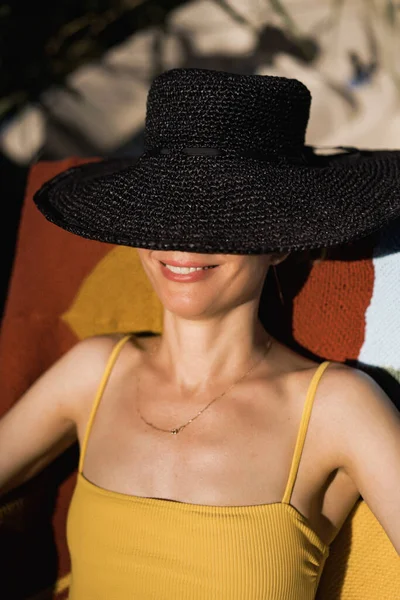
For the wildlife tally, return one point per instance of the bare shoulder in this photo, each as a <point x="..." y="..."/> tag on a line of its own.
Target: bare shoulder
<point x="73" y="379"/>
<point x="348" y="406"/>
<point x="45" y="421"/>
<point x="353" y="407"/>
<point x="342" y="389"/>
<point x="91" y="353"/>
<point x="353" y="390"/>
<point x="363" y="427"/>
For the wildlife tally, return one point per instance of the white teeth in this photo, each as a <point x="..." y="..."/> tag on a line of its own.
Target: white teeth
<point x="185" y="270"/>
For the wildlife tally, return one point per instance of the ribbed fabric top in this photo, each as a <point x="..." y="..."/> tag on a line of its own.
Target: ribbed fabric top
<point x="127" y="547"/>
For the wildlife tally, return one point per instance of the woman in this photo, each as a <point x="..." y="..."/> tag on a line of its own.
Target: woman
<point x="215" y="462"/>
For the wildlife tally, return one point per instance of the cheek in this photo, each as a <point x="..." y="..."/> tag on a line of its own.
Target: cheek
<point x="147" y="263"/>
<point x="143" y="254"/>
<point x="251" y="272"/>
<point x="245" y="284"/>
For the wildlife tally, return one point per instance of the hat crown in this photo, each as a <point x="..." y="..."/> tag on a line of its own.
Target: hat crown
<point x="200" y="107"/>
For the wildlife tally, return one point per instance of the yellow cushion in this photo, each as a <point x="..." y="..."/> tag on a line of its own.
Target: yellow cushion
<point x="363" y="564"/>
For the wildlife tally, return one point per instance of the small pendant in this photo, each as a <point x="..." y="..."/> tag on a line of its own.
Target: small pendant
<point x="175" y="431"/>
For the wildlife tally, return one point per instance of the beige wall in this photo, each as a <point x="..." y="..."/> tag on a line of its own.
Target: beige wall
<point x="114" y="90"/>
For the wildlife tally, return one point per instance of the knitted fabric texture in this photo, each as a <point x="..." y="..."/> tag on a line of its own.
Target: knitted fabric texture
<point x="263" y="191"/>
<point x="335" y="325"/>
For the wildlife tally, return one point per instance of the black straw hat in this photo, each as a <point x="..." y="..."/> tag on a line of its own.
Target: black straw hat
<point x="226" y="170"/>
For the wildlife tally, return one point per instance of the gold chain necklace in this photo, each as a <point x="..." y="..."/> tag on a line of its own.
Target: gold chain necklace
<point x="177" y="430"/>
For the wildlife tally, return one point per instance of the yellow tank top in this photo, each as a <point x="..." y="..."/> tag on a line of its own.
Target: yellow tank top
<point x="126" y="547"/>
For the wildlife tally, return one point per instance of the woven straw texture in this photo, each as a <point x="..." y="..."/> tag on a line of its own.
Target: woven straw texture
<point x="226" y="203"/>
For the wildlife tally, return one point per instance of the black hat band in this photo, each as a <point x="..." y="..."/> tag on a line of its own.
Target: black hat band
<point x="303" y="158"/>
<point x="202" y="151"/>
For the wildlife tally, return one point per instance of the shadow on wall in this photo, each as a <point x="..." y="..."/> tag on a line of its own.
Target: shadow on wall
<point x="65" y="139"/>
<point x="271" y="41"/>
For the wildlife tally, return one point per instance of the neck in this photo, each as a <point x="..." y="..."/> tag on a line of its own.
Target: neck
<point x="197" y="354"/>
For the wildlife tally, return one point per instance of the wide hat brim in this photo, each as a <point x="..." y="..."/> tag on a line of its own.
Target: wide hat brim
<point x="224" y="204"/>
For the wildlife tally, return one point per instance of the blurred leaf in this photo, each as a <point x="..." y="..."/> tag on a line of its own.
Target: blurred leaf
<point x="336" y="11"/>
<point x="281" y="10"/>
<point x="390" y="13"/>
<point x="69" y="33"/>
<point x="232" y="12"/>
<point x="129" y="4"/>
<point x="9" y="102"/>
<point x="5" y="10"/>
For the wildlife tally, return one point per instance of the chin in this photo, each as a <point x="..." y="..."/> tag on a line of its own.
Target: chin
<point x="188" y="306"/>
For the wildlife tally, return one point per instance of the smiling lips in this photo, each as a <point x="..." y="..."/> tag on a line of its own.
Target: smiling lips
<point x="186" y="272"/>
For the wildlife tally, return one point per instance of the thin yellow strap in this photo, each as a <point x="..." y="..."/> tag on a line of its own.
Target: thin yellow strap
<point x="301" y="436"/>
<point x="100" y="390"/>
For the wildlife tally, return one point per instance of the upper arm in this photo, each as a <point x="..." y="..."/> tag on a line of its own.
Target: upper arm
<point x="42" y="423"/>
<point x="366" y="425"/>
